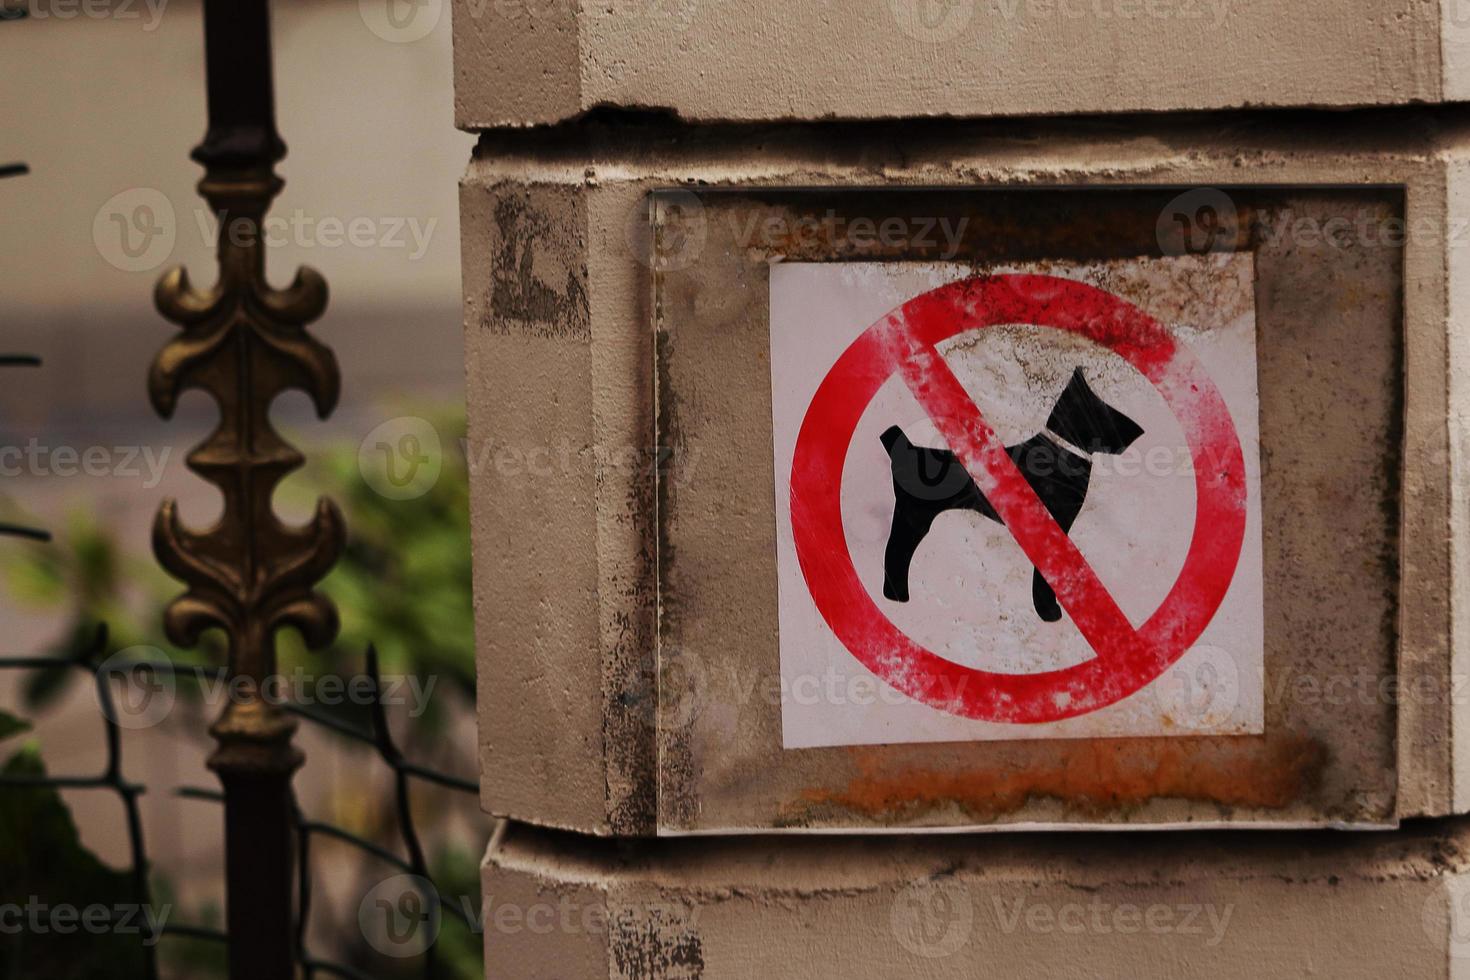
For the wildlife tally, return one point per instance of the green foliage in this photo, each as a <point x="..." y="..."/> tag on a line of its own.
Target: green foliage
<point x="460" y="950"/>
<point x="85" y="573"/>
<point x="402" y="583"/>
<point x="189" y="956"/>
<point x="11" y="725"/>
<point x="46" y="865"/>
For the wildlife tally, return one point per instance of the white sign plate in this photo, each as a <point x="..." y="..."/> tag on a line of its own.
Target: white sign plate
<point x="1121" y="460"/>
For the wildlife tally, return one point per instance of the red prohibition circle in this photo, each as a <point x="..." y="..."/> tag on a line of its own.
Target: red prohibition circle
<point x="904" y="343"/>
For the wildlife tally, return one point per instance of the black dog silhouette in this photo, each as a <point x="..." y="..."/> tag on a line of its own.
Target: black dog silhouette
<point x="928" y="482"/>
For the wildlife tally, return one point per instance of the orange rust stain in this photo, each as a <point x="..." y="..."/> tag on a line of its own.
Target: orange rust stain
<point x="1105" y="774"/>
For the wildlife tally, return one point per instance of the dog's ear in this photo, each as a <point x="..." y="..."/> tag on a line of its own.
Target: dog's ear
<point x="1090" y="423"/>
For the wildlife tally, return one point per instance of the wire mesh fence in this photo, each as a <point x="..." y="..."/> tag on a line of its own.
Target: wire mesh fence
<point x="419" y="903"/>
<point x="416" y="900"/>
<point x="8" y="529"/>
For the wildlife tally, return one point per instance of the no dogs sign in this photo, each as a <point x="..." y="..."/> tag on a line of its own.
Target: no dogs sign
<point x="1016" y="504"/>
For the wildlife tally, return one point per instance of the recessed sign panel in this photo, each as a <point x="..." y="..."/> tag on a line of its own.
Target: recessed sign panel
<point x="1019" y="503"/>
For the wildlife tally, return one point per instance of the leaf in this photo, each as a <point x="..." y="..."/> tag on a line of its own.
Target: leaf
<point x="47" y="867"/>
<point x="11" y="725"/>
<point x="35" y="576"/>
<point x="44" y="686"/>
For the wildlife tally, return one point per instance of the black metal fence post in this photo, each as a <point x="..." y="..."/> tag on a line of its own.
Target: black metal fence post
<point x="249" y="575"/>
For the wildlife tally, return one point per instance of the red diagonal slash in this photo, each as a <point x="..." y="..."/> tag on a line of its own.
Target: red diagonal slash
<point x="905" y="343"/>
<point x="960" y="421"/>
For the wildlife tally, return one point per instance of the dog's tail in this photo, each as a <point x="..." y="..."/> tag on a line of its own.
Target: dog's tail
<point x="895" y="441"/>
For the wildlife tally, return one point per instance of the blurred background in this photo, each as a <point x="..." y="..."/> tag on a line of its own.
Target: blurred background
<point x="103" y="101"/>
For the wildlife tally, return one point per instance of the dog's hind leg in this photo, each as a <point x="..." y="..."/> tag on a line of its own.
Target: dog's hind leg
<point x="1044" y="599"/>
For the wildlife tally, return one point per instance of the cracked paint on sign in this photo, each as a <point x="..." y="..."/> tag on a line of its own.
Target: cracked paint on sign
<point x="1123" y="659"/>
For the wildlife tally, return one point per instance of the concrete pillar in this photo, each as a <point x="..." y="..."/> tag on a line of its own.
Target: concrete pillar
<point x="642" y="167"/>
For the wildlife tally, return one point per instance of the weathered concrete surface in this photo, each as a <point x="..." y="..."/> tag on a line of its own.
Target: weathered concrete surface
<point x="560" y="353"/>
<point x="1153" y="905"/>
<point x="1329" y="329"/>
<point x="561" y="516"/>
<point x="523" y="62"/>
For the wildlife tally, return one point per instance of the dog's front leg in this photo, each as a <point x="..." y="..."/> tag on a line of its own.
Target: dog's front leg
<point x="910" y="525"/>
<point x="1044" y="599"/>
